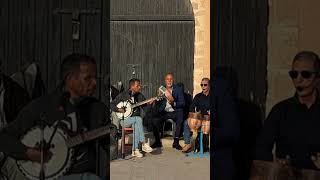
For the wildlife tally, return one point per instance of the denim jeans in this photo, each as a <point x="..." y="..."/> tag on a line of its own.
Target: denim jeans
<point x="136" y="123"/>
<point x="186" y="132"/>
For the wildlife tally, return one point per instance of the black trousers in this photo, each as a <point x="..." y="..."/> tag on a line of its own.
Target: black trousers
<point x="159" y="118"/>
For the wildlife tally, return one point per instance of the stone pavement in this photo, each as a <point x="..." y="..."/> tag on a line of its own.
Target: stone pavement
<point x="162" y="164"/>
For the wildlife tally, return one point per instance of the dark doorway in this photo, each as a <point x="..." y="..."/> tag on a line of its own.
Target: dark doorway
<point x="240" y="56"/>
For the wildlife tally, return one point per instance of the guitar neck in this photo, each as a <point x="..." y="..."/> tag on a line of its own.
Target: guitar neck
<point x="84" y="137"/>
<point x="143" y="102"/>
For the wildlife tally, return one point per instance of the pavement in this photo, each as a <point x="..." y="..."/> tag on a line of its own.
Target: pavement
<point x="162" y="164"/>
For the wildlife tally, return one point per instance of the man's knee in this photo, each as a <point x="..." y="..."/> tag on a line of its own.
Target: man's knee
<point x="156" y="121"/>
<point x="138" y="119"/>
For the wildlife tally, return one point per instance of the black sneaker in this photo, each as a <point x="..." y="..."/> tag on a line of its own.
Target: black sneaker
<point x="156" y="145"/>
<point x="176" y="146"/>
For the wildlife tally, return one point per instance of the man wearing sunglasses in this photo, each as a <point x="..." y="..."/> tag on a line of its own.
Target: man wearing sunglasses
<point x="293" y="124"/>
<point x="201" y="102"/>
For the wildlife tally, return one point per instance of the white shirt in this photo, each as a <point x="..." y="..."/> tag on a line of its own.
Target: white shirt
<point x="168" y="107"/>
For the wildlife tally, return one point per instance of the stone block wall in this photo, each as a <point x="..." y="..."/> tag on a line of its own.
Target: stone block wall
<point x="201" y="9"/>
<point x="293" y="27"/>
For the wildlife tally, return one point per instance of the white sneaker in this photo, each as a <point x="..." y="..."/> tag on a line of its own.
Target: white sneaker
<point x="146" y="148"/>
<point x="137" y="153"/>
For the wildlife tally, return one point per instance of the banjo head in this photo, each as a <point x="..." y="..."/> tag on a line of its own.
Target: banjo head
<point x="128" y="109"/>
<point x="60" y="161"/>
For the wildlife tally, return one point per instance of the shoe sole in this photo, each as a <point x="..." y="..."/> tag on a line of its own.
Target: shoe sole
<point x="137" y="156"/>
<point x="147" y="151"/>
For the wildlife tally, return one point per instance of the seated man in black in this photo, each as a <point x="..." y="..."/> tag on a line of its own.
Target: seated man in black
<point x="73" y="100"/>
<point x="169" y="108"/>
<point x="200" y="103"/>
<point x="293" y="124"/>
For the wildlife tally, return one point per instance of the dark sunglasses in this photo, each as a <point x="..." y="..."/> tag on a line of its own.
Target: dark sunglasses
<point x="203" y="85"/>
<point x="305" y="74"/>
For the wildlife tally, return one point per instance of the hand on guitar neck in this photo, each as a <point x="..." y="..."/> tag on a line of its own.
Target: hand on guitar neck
<point x="121" y="110"/>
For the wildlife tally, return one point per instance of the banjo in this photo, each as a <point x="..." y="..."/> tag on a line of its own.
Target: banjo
<point x="128" y="106"/>
<point x="62" y="151"/>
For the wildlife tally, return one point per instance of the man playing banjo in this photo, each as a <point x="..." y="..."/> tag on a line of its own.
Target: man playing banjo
<point x="132" y="96"/>
<point x="71" y="106"/>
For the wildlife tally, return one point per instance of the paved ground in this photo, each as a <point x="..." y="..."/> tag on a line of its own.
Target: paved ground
<point x="162" y="164"/>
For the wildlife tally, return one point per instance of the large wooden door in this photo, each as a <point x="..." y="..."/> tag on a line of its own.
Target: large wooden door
<point x="150" y="39"/>
<point x="47" y="31"/>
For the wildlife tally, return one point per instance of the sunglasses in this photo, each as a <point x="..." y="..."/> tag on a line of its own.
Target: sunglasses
<point x="203" y="85"/>
<point x="305" y="74"/>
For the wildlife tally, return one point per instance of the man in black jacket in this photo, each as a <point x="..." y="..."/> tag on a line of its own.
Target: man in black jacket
<point x="73" y="100"/>
<point x="225" y="131"/>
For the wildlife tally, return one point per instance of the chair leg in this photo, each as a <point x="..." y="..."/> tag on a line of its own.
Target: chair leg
<point x="133" y="138"/>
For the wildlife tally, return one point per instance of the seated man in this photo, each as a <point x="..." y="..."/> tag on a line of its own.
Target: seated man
<point x="133" y="94"/>
<point x="293" y="124"/>
<point x="169" y="108"/>
<point x="201" y="102"/>
<point x="73" y="100"/>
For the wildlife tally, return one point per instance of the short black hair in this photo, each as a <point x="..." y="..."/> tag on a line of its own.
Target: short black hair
<point x="72" y="62"/>
<point x="308" y="55"/>
<point x="133" y="81"/>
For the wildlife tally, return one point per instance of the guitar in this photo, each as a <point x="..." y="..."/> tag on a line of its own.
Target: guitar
<point x="62" y="148"/>
<point x="128" y="106"/>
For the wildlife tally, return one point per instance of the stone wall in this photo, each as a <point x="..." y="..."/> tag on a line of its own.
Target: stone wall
<point x="201" y="9"/>
<point x="293" y="27"/>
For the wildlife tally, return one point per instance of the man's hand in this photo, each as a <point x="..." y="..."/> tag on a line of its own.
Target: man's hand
<point x="316" y="160"/>
<point x="121" y="110"/>
<point x="34" y="155"/>
<point x="169" y="97"/>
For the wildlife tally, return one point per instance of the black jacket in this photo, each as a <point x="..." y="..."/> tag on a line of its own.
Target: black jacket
<point x="178" y="96"/>
<point x="125" y="96"/>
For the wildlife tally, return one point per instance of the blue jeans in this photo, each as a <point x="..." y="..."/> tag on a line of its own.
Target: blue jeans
<point x="136" y="123"/>
<point x="186" y="132"/>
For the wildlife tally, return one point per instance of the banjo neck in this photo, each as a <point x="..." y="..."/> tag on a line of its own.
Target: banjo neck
<point x="143" y="102"/>
<point x="87" y="136"/>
